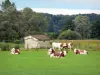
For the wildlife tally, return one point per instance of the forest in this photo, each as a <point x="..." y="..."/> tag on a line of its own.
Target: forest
<point x="16" y="24"/>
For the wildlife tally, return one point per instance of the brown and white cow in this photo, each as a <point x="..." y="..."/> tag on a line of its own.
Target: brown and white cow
<point x="79" y="51"/>
<point x="53" y="53"/>
<point x="15" y="51"/>
<point x="60" y="46"/>
<point x="67" y="45"/>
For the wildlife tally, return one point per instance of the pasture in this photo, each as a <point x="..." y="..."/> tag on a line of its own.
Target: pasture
<point x="39" y="63"/>
<point x="90" y="45"/>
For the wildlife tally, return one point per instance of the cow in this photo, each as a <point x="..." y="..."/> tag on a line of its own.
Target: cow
<point x="12" y="51"/>
<point x="53" y="53"/>
<point x="67" y="45"/>
<point x="56" y="45"/>
<point x="15" y="51"/>
<point x="61" y="46"/>
<point x="78" y="51"/>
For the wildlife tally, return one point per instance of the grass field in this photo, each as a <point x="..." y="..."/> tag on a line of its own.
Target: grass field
<point x="39" y="63"/>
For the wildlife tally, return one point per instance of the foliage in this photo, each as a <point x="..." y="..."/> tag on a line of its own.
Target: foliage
<point x="4" y="47"/>
<point x="6" y="4"/>
<point x="95" y="30"/>
<point x="80" y="23"/>
<point x="52" y="35"/>
<point x="68" y="34"/>
<point x="70" y="25"/>
<point x="17" y="42"/>
<point x="17" y="46"/>
<point x="15" y="24"/>
<point x="82" y="26"/>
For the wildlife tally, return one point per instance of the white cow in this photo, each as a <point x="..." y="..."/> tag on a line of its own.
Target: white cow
<point x="56" y="45"/>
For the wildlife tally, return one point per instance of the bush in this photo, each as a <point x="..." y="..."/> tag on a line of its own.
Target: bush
<point x="17" y="47"/>
<point x="4" y="47"/>
<point x="17" y="41"/>
<point x="70" y="35"/>
<point x="52" y="35"/>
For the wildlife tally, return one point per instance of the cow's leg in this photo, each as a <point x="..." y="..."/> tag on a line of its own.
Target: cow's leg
<point x="52" y="55"/>
<point x="87" y="52"/>
<point x="53" y="47"/>
<point x="70" y="48"/>
<point x="12" y="53"/>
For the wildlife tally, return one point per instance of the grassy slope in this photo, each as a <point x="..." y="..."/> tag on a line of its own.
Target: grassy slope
<point x="39" y="63"/>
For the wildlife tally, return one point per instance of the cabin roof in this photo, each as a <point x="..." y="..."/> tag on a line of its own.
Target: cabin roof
<point x="41" y="37"/>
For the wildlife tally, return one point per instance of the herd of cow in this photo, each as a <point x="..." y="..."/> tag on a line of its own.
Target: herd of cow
<point x="52" y="52"/>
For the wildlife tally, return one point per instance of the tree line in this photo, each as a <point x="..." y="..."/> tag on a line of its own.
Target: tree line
<point x="16" y="24"/>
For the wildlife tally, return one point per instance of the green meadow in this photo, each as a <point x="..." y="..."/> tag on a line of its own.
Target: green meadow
<point x="39" y="63"/>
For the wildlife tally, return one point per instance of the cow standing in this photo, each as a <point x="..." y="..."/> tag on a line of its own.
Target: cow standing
<point x="56" y="45"/>
<point x="67" y="45"/>
<point x="61" y="46"/>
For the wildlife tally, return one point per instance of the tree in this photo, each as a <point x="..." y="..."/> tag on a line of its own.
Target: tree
<point x="33" y="22"/>
<point x="69" y="25"/>
<point x="37" y="23"/>
<point x="82" y="25"/>
<point x="95" y="30"/>
<point x="70" y="35"/>
<point x="5" y="4"/>
<point x="52" y="35"/>
<point x="27" y="13"/>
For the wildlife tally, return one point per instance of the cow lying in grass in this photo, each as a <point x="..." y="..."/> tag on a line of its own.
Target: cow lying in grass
<point x="53" y="53"/>
<point x="15" y="51"/>
<point x="78" y="51"/>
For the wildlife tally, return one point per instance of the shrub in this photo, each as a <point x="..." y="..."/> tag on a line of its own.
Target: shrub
<point x="17" y="41"/>
<point x="17" y="47"/>
<point x="4" y="47"/>
<point x="68" y="34"/>
<point x="52" y="35"/>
